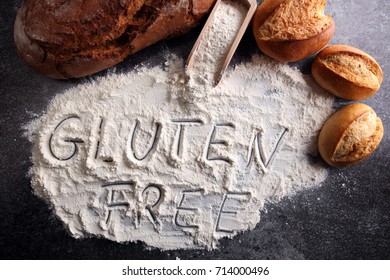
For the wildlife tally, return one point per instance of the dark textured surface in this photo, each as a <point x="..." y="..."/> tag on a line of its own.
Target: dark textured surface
<point x="347" y="217"/>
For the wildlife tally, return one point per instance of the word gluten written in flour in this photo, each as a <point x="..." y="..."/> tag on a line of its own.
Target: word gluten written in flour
<point x="137" y="152"/>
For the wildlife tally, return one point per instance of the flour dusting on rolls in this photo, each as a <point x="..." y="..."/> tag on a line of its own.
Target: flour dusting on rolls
<point x="67" y="39"/>
<point x="291" y="30"/>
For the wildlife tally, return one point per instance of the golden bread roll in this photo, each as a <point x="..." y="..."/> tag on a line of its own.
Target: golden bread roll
<point x="65" y="39"/>
<point x="347" y="72"/>
<point x="350" y="135"/>
<point x="290" y="30"/>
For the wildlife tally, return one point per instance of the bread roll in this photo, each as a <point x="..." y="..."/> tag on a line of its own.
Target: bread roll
<point x="74" y="38"/>
<point x="350" y="135"/>
<point x="290" y="30"/>
<point x="347" y="72"/>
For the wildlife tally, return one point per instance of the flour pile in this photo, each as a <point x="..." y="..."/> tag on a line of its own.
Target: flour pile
<point x="125" y="157"/>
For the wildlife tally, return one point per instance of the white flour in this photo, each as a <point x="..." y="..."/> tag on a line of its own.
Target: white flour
<point x="213" y="49"/>
<point x="127" y="157"/>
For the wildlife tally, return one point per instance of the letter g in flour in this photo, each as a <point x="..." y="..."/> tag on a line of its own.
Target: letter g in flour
<point x="63" y="141"/>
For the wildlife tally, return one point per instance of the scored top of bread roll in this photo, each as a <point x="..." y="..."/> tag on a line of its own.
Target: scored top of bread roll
<point x="295" y="21"/>
<point x="290" y="30"/>
<point x="64" y="39"/>
<point x="347" y="72"/>
<point x="350" y="135"/>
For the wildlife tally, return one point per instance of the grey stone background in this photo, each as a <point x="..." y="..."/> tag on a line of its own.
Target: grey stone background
<point x="347" y="217"/>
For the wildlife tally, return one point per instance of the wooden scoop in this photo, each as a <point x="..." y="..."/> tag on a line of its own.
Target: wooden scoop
<point x="251" y="5"/>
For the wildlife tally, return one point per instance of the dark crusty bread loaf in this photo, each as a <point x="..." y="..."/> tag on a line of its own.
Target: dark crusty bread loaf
<point x="74" y="38"/>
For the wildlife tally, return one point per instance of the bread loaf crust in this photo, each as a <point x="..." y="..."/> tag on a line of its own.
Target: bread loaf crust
<point x="288" y="50"/>
<point x="70" y="39"/>
<point x="332" y="136"/>
<point x="344" y="86"/>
